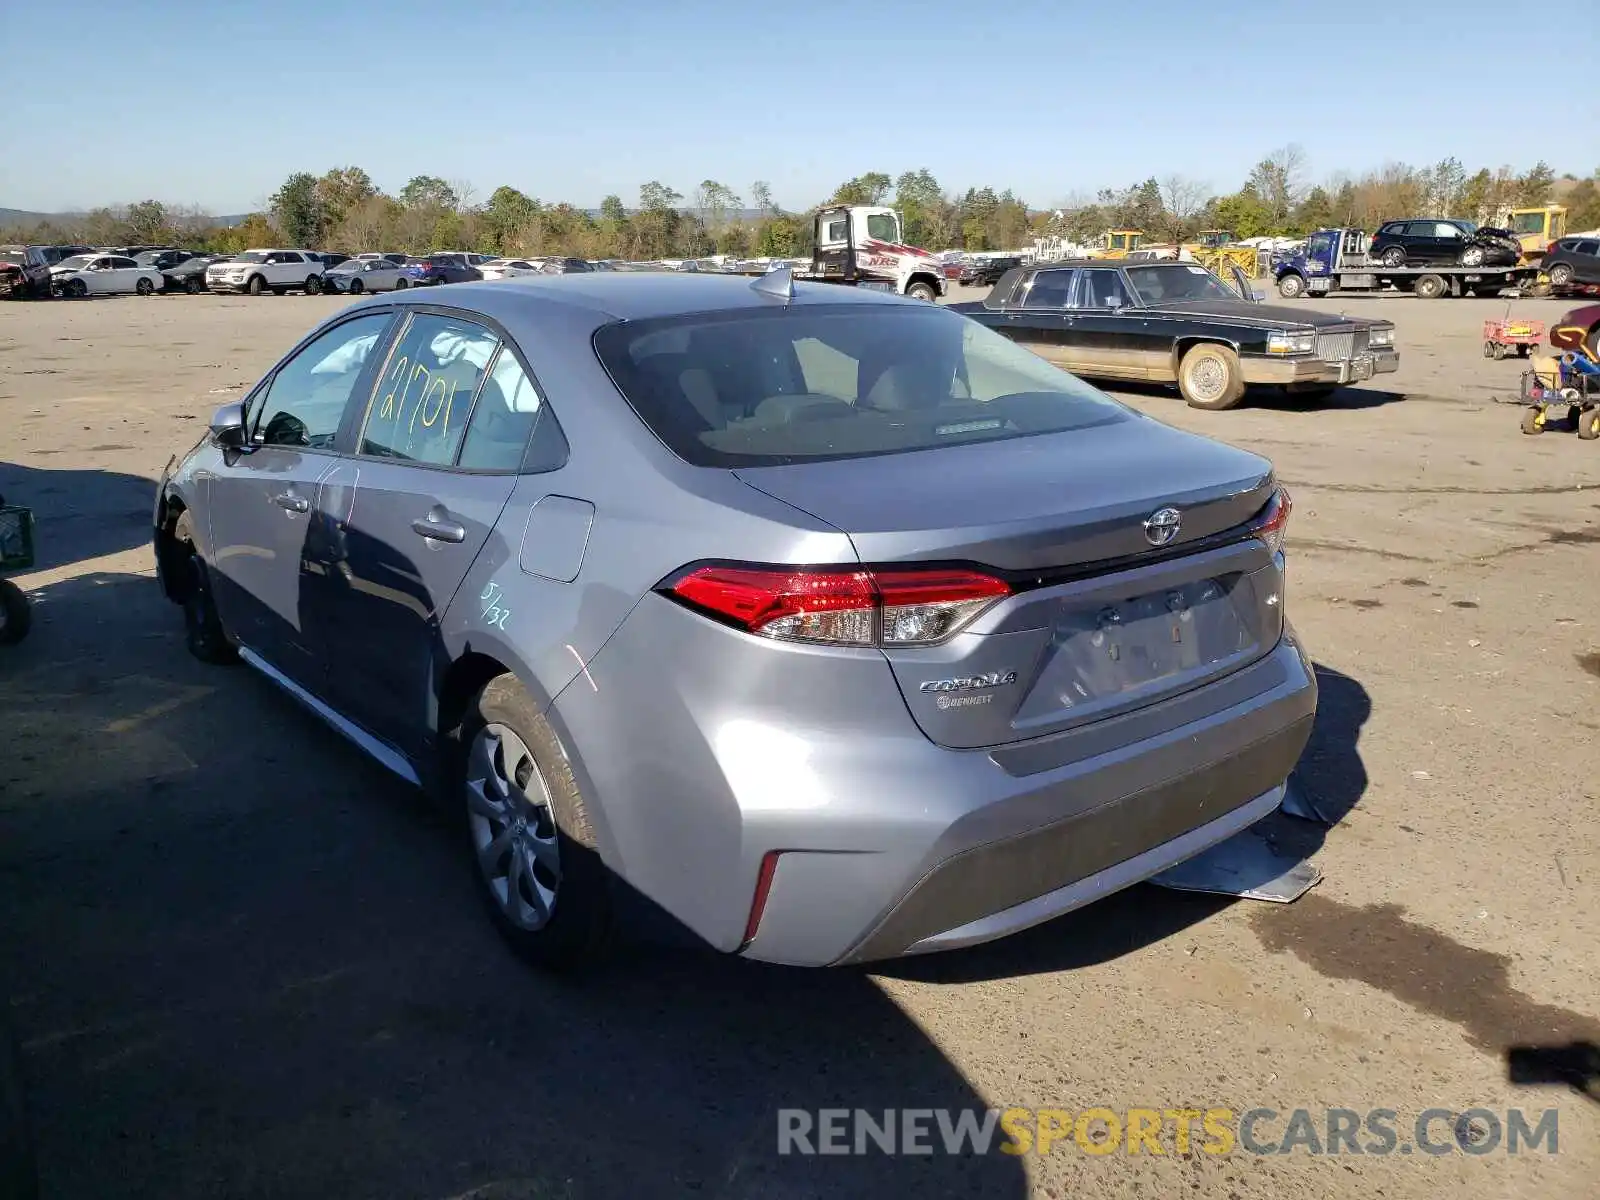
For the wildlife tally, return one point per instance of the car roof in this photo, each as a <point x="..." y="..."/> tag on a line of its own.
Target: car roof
<point x="636" y="296"/>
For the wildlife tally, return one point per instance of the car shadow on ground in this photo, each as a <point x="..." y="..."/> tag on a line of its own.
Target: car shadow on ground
<point x="243" y="961"/>
<point x="80" y="514"/>
<point x="1330" y="773"/>
<point x="1276" y="399"/>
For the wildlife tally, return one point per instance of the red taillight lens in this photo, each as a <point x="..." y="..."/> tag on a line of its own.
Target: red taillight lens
<point x="758" y="902"/>
<point x="1273" y="523"/>
<point x="842" y="608"/>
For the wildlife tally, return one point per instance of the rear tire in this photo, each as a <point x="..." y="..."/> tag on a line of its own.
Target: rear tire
<point x="1209" y="377"/>
<point x="1589" y="424"/>
<point x="1560" y="275"/>
<point x="313" y="285"/>
<point x="16" y="614"/>
<point x="1291" y="287"/>
<point x="1431" y="287"/>
<point x="256" y="286"/>
<point x="202" y="627"/>
<point x="532" y="845"/>
<point x="1533" y="421"/>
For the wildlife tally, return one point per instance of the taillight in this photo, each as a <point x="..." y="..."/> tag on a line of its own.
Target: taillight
<point x="894" y="607"/>
<point x="1272" y="524"/>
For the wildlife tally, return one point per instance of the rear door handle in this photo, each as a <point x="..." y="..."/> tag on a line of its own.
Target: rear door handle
<point x="438" y="530"/>
<point x="292" y="502"/>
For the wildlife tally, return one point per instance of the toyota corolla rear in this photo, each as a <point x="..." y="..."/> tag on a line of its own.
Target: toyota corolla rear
<point x="1010" y="647"/>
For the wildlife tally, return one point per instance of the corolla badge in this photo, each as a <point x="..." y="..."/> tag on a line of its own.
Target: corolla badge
<point x="1162" y="526"/>
<point x="970" y="683"/>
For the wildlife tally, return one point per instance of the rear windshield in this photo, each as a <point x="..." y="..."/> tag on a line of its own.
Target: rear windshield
<point x="768" y="387"/>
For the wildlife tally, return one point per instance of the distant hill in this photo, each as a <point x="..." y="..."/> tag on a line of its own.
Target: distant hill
<point x="10" y="217"/>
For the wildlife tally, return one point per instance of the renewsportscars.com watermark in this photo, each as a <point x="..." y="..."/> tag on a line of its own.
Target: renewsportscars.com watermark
<point x="1216" y="1131"/>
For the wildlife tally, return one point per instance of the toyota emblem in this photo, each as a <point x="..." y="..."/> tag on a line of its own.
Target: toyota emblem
<point x="1161" y="526"/>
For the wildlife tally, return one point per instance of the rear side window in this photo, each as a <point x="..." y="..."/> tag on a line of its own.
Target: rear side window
<point x="764" y="387"/>
<point x="420" y="407"/>
<point x="1050" y="289"/>
<point x="506" y="410"/>
<point x="1591" y="247"/>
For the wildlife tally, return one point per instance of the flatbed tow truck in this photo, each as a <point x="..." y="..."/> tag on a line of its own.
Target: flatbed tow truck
<point x="1336" y="260"/>
<point x="861" y="246"/>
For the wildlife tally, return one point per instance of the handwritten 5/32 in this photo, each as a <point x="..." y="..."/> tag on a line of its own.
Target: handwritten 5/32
<point x="494" y="613"/>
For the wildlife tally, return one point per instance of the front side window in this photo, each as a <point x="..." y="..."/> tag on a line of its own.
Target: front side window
<point x="759" y="387"/>
<point x="1444" y="229"/>
<point x="883" y="227"/>
<point x="306" y="399"/>
<point x="1178" y="281"/>
<point x="419" y="408"/>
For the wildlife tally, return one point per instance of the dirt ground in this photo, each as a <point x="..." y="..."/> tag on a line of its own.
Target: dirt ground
<point x="241" y="961"/>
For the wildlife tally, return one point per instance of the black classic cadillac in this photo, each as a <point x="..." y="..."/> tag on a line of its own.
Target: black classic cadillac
<point x="1176" y="322"/>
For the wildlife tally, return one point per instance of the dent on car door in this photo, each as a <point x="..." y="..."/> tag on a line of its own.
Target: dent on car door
<point x="262" y="497"/>
<point x="436" y="459"/>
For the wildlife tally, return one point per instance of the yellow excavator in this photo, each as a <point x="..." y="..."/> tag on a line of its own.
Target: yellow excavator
<point x="1214" y="250"/>
<point x="1535" y="229"/>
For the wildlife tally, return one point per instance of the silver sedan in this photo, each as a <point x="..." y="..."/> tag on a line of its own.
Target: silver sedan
<point x="366" y="275"/>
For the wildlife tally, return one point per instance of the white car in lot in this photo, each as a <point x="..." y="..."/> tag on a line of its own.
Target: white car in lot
<point x="257" y="271"/>
<point x="510" y="268"/>
<point x="103" y="274"/>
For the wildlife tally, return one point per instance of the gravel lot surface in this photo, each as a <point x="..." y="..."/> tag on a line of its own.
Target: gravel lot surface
<point x="242" y="961"/>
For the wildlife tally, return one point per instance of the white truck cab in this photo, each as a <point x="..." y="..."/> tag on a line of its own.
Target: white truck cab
<point x="862" y="245"/>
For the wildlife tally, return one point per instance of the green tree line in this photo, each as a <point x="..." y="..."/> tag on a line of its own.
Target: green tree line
<point x="343" y="209"/>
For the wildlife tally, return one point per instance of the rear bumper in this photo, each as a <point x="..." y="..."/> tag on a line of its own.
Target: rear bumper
<point x="888" y="844"/>
<point x="1378" y="360"/>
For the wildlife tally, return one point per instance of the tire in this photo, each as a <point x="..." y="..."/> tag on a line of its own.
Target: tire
<point x="401" y="285"/>
<point x="1394" y="256"/>
<point x="202" y="627"/>
<point x="144" y="287"/>
<point x="356" y="287"/>
<point x="313" y="285"/>
<point x="1489" y="349"/>
<point x="191" y="285"/>
<point x="1560" y="275"/>
<point x="1431" y="287"/>
<point x="518" y="793"/>
<point x="1589" y="424"/>
<point x="77" y="289"/>
<point x="16" y="614"/>
<point x="922" y="291"/>
<point x="1533" y="421"/>
<point x="1472" y="256"/>
<point x="256" y="286"/>
<point x="1292" y="287"/>
<point x="1209" y="377"/>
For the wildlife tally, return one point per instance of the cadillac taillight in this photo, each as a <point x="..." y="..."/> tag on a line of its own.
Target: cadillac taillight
<point x="827" y="606"/>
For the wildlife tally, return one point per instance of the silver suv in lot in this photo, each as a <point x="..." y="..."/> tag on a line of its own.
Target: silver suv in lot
<point x="834" y="624"/>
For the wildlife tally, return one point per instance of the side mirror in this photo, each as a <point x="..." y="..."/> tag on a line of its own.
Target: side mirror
<point x="227" y="426"/>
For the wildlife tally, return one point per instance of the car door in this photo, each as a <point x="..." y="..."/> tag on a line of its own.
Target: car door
<point x="261" y="498"/>
<point x="409" y="512"/>
<point x="97" y="274"/>
<point x="123" y="274"/>
<point x="1036" y="316"/>
<point x="1585" y="260"/>
<point x="1447" y="243"/>
<point x="1108" y="333"/>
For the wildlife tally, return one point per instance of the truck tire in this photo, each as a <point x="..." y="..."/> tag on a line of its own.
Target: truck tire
<point x="16" y="614"/>
<point x="1431" y="287"/>
<point x="256" y="286"/>
<point x="922" y="291"/>
<point x="1209" y="377"/>
<point x="1292" y="286"/>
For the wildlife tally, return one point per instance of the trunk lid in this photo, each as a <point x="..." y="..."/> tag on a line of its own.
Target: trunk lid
<point x="1100" y="620"/>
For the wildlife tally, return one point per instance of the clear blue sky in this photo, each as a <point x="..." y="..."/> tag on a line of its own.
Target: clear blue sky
<point x="214" y="102"/>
